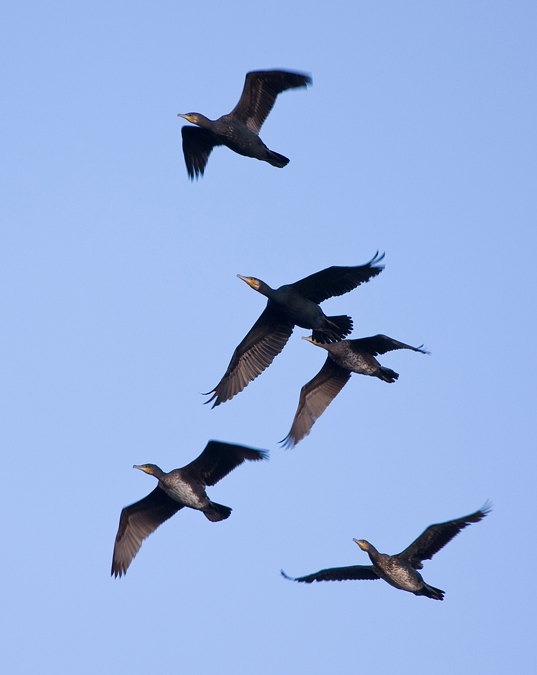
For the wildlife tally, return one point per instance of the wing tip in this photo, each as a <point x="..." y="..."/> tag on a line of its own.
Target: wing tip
<point x="485" y="509"/>
<point x="215" y="395"/>
<point x="288" y="442"/>
<point x="262" y="455"/>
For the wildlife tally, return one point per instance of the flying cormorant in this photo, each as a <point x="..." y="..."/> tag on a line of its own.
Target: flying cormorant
<point x="401" y="570"/>
<point x="178" y="488"/>
<point x="240" y="128"/>
<point x="344" y="358"/>
<point x="289" y="306"/>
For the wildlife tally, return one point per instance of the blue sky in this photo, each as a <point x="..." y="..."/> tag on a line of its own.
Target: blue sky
<point x="121" y="304"/>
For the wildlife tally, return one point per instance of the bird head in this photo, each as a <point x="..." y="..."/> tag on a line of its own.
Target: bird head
<point x="363" y="544"/>
<point x="190" y="117"/>
<point x="251" y="281"/>
<point x="326" y="345"/>
<point x="151" y="469"/>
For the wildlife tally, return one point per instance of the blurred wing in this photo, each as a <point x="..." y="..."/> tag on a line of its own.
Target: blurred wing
<point x="315" y="397"/>
<point x="256" y="352"/>
<point x="380" y="344"/>
<point x="197" y="146"/>
<point x="338" y="574"/>
<point x="218" y="459"/>
<point x="137" y="521"/>
<point x="337" y="280"/>
<point x="259" y="94"/>
<point x="437" y="536"/>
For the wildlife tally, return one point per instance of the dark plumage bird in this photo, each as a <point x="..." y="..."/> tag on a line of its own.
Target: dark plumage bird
<point x="176" y="489"/>
<point x="240" y="128"/>
<point x="289" y="306"/>
<point x="344" y="358"/>
<point x="401" y="570"/>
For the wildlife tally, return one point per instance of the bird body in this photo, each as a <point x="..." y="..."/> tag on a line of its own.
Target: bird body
<point x="229" y="132"/>
<point x="288" y="306"/>
<point x="186" y="491"/>
<point x="344" y="357"/>
<point x="239" y="129"/>
<point x="398" y="572"/>
<point x="349" y="355"/>
<point x="175" y="490"/>
<point x="301" y="311"/>
<point x="401" y="571"/>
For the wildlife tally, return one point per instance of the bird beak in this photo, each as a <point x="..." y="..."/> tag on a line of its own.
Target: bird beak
<point x="309" y="339"/>
<point x="135" y="466"/>
<point x="248" y="280"/>
<point x="251" y="281"/>
<point x="360" y="544"/>
<point x="185" y="117"/>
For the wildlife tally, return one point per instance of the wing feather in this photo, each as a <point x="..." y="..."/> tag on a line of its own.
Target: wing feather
<point x="380" y="344"/>
<point x="338" y="574"/>
<point x="218" y="459"/>
<point x="266" y="339"/>
<point x="337" y="280"/>
<point x="261" y="88"/>
<point x="137" y="522"/>
<point x="315" y="397"/>
<point x="437" y="536"/>
<point x="197" y="146"/>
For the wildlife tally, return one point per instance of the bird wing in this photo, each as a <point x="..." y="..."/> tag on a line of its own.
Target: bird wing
<point x="437" y="536"/>
<point x="137" y="521"/>
<point x="380" y="344"/>
<point x="315" y="397"/>
<point x="197" y="146"/>
<point x="338" y="574"/>
<point x="337" y="280"/>
<point x="256" y="352"/>
<point x="261" y="88"/>
<point x="218" y="459"/>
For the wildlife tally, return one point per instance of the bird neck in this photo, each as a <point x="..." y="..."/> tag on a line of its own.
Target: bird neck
<point x="324" y="345"/>
<point x="202" y="121"/>
<point x="157" y="472"/>
<point x="373" y="554"/>
<point x="265" y="289"/>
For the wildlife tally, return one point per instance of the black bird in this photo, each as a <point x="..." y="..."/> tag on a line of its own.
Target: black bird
<point x="289" y="306"/>
<point x="344" y="358"/>
<point x="400" y="570"/>
<point x="240" y="128"/>
<point x="178" y="488"/>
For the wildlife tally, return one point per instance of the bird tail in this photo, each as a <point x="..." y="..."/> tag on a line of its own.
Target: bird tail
<point x="276" y="160"/>
<point x="216" y="512"/>
<point x="336" y="328"/>
<point x="386" y="374"/>
<point x="432" y="592"/>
